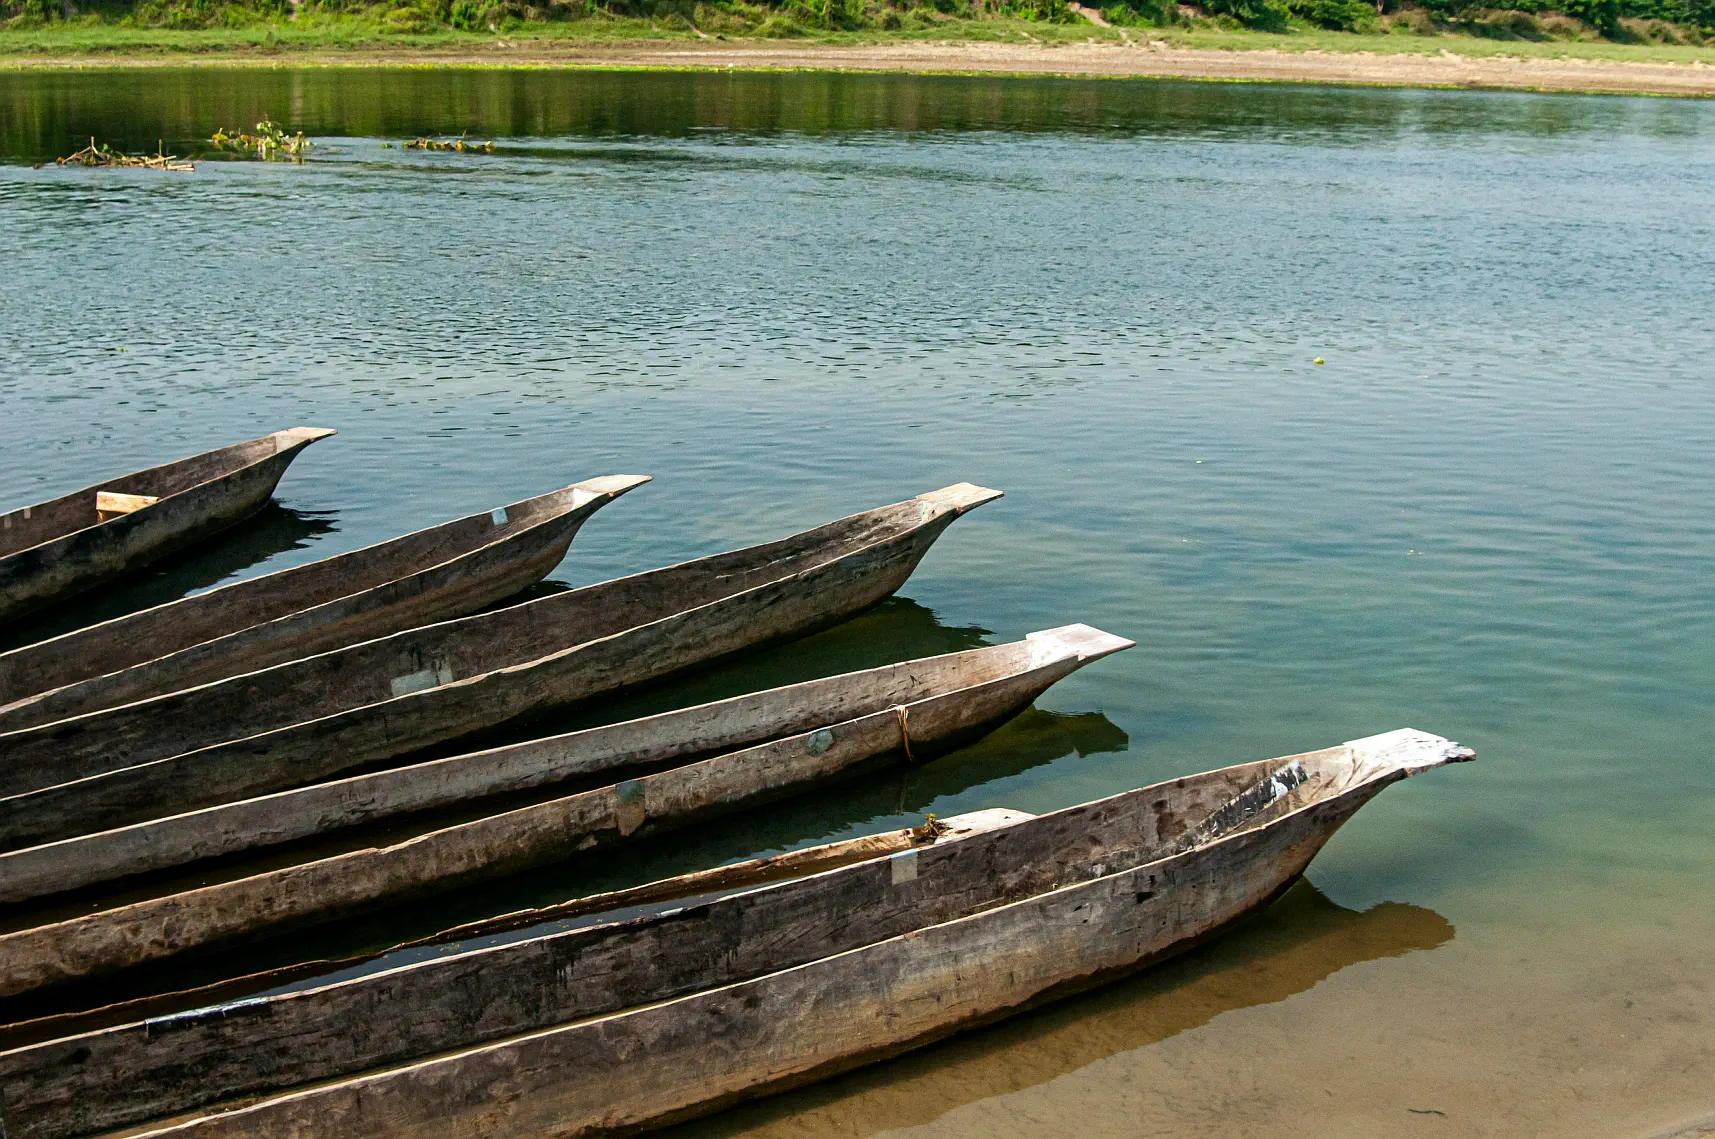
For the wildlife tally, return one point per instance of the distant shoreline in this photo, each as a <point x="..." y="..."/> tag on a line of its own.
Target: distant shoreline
<point x="1136" y="58"/>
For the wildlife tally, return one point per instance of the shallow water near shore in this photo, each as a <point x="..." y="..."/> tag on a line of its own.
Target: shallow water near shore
<point x="790" y="297"/>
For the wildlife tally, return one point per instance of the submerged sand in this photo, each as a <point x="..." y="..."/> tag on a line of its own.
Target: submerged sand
<point x="1138" y="57"/>
<point x="1323" y="1022"/>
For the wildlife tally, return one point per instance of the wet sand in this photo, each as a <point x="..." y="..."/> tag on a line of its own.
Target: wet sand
<point x="1136" y="58"/>
<point x="1324" y="1023"/>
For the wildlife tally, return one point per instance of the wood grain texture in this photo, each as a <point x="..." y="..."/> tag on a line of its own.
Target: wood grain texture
<point x="443" y="572"/>
<point x="109" y="503"/>
<point x="675" y="1014"/>
<point x="54" y="550"/>
<point x="157" y="928"/>
<point x="324" y="808"/>
<point x="307" y="720"/>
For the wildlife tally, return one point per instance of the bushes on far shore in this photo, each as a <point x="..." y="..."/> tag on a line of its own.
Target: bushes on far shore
<point x="1631" y="21"/>
<point x="1263" y="15"/>
<point x="1636" y="21"/>
<point x="742" y="17"/>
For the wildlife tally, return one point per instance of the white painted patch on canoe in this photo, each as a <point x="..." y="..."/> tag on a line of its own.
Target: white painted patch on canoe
<point x="434" y="676"/>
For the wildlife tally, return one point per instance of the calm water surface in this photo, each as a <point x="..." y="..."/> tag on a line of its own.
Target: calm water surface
<point x="791" y="297"/>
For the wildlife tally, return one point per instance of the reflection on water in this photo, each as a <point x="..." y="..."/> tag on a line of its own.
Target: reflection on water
<point x="1290" y="947"/>
<point x="44" y="115"/>
<point x="275" y="530"/>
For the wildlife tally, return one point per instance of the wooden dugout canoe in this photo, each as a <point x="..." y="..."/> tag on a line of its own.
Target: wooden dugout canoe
<point x="310" y="719"/>
<point x="431" y="575"/>
<point x="632" y="1024"/>
<point x="820" y="730"/>
<point x="965" y="680"/>
<point x="53" y="550"/>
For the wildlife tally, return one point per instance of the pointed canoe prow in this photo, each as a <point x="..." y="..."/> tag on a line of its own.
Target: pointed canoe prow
<point x="606" y="486"/>
<point x="962" y="497"/>
<point x="1407" y="750"/>
<point x="1084" y="641"/>
<point x="294" y="438"/>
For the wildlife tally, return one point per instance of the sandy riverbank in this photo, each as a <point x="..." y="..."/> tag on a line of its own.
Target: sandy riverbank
<point x="1135" y="58"/>
<point x="1320" y="1023"/>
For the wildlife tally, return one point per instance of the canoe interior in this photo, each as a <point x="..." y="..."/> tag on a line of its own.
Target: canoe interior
<point x="579" y="991"/>
<point x="959" y="697"/>
<point x="98" y="549"/>
<point x="434" y="574"/>
<point x="32" y="525"/>
<point x="411" y="800"/>
<point x="672" y="611"/>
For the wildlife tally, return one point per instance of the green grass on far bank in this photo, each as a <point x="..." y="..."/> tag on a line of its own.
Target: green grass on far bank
<point x="231" y="31"/>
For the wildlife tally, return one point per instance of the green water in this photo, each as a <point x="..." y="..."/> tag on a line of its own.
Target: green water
<point x="791" y="297"/>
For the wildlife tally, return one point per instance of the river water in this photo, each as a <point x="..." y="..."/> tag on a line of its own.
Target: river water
<point x="789" y="297"/>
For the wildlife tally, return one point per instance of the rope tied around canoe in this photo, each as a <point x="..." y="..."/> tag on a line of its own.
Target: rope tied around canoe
<point x="904" y="715"/>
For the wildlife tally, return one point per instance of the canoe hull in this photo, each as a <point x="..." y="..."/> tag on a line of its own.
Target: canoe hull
<point x="65" y="779"/>
<point x="653" y="741"/>
<point x="224" y="913"/>
<point x="120" y="661"/>
<point x="61" y="567"/>
<point x="675" y="1013"/>
<point x="646" y="1068"/>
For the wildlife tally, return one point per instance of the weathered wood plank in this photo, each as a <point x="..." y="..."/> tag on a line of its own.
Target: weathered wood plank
<point x="677" y="1013"/>
<point x="53" y="550"/>
<point x="157" y="928"/>
<point x="431" y="575"/>
<point x="387" y="697"/>
<point x="170" y="1064"/>
<point x="111" y="504"/>
<point x="176" y="840"/>
<point x="730" y="877"/>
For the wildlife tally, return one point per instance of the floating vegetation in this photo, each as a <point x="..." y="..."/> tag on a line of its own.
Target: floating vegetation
<point x="96" y="154"/>
<point x="459" y="144"/>
<point x="269" y="143"/>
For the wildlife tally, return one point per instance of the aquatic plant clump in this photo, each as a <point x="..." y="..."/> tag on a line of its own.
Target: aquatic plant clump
<point x="460" y="144"/>
<point x="99" y="154"/>
<point x="269" y="143"/>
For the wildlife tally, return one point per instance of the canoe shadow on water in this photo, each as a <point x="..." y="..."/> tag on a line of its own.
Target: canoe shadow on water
<point x="1289" y="948"/>
<point x="274" y="530"/>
